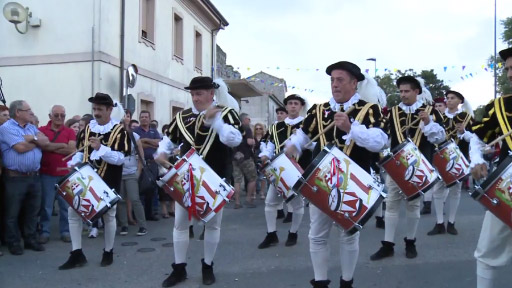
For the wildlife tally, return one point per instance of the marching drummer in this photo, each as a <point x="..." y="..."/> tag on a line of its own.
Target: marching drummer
<point x="358" y="139"/>
<point x="105" y="143"/>
<point x="457" y="122"/>
<point x="494" y="248"/>
<point x="422" y="124"/>
<point x="278" y="134"/>
<point x="212" y="130"/>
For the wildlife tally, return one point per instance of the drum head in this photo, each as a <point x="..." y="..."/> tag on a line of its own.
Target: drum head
<point x="450" y="165"/>
<point x="76" y="202"/>
<point x="409" y="173"/>
<point x="335" y="200"/>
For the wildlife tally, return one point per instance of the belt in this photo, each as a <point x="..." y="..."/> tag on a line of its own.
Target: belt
<point x="14" y="173"/>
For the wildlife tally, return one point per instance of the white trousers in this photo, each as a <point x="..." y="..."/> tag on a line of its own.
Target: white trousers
<point x="75" y="228"/>
<point x="441" y="194"/>
<point x="273" y="202"/>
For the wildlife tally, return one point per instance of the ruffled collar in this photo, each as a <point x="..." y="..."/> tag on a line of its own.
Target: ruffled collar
<point x="195" y="111"/>
<point x="335" y="106"/>
<point x="450" y="115"/>
<point x="293" y="121"/>
<point x="410" y="108"/>
<point x="102" y="129"/>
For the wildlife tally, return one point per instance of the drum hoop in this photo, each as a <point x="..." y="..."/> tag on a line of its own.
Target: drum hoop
<point x="496" y="173"/>
<point x="394" y="151"/>
<point x="444" y="145"/>
<point x="316" y="161"/>
<point x="367" y="216"/>
<point x="72" y="172"/>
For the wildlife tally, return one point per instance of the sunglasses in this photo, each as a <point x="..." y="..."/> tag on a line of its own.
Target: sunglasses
<point x="258" y="128"/>
<point x="59" y="115"/>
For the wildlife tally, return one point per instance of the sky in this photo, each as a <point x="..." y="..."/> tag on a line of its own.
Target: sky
<point x="297" y="39"/>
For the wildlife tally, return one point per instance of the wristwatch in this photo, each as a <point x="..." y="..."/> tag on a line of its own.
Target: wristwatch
<point x="35" y="138"/>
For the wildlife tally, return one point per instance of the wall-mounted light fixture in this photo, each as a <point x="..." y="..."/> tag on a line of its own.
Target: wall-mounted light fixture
<point x="17" y="14"/>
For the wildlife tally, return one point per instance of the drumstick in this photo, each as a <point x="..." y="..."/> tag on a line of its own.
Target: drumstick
<point x="409" y="126"/>
<point x="498" y="140"/>
<point x="329" y="127"/>
<point x="79" y="150"/>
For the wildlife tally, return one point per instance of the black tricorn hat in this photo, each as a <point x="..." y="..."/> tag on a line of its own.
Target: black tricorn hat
<point x="281" y="109"/>
<point x="348" y="67"/>
<point x="202" y="82"/>
<point x="506" y="53"/>
<point x="102" y="99"/>
<point x="294" y="97"/>
<point x="457" y="94"/>
<point x="411" y="81"/>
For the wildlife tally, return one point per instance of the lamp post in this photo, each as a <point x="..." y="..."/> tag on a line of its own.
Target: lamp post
<point x="375" y="65"/>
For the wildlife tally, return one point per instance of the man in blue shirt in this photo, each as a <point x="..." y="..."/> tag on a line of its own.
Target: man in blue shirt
<point x="21" y="144"/>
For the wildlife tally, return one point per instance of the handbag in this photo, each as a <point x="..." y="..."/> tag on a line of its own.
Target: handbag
<point x="149" y="174"/>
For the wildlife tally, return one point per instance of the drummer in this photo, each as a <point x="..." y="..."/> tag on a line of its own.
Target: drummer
<point x="358" y="139"/>
<point x="457" y="121"/>
<point x="494" y="248"/>
<point x="278" y="134"/>
<point x="424" y="133"/>
<point x="213" y="130"/>
<point x="105" y="154"/>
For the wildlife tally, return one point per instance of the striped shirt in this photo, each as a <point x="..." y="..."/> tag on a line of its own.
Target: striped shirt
<point x="11" y="133"/>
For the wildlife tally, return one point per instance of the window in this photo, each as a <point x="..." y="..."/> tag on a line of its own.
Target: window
<point x="147" y="20"/>
<point x="198" y="51"/>
<point x="149" y="106"/>
<point x="178" y="36"/>
<point x="175" y="110"/>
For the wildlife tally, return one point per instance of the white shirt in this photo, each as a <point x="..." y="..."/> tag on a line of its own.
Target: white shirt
<point x="434" y="132"/>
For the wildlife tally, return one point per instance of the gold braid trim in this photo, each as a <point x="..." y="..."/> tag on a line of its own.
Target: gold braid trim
<point x="417" y="137"/>
<point x="359" y="118"/>
<point x="183" y="129"/>
<point x="398" y="127"/>
<point x="501" y="114"/>
<point x="115" y="135"/>
<point x="211" y="134"/>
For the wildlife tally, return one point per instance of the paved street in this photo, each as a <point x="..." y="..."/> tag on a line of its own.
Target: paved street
<point x="443" y="261"/>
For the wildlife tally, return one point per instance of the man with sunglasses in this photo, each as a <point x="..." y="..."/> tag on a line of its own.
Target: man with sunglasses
<point x="62" y="142"/>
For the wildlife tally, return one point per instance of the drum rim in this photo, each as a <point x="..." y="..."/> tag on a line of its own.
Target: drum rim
<point x="71" y="173"/>
<point x="367" y="216"/>
<point x="395" y="150"/>
<point x="444" y="144"/>
<point x="311" y="168"/>
<point x="497" y="173"/>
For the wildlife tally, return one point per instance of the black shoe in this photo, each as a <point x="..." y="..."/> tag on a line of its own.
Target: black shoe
<point x="191" y="232"/>
<point x="178" y="274"/>
<point x="288" y="217"/>
<point x="33" y="245"/>
<point x="280" y="214"/>
<point x="292" y="239"/>
<point x="426" y="208"/>
<point x="385" y="251"/>
<point x="152" y="218"/>
<point x="438" y="229"/>
<point x="270" y="240"/>
<point x="451" y="229"/>
<point x="15" y="249"/>
<point x="208" y="277"/>
<point x="108" y="258"/>
<point x="346" y="284"/>
<point x="320" y="284"/>
<point x="410" y="248"/>
<point x="201" y="237"/>
<point x="380" y="222"/>
<point x="124" y="231"/>
<point x="142" y="231"/>
<point x="76" y="259"/>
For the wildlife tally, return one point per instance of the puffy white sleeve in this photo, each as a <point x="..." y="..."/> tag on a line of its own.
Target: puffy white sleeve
<point x="77" y="158"/>
<point x="165" y="146"/>
<point x="108" y="155"/>
<point x="476" y="146"/>
<point x="299" y="139"/>
<point x="228" y="134"/>
<point x="435" y="133"/>
<point x="373" y="139"/>
<point x="268" y="150"/>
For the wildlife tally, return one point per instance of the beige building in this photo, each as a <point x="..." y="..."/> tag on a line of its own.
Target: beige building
<point x="76" y="51"/>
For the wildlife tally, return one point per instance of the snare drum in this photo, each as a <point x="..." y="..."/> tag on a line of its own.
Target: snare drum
<point x="495" y="193"/>
<point x="410" y="170"/>
<point x="87" y="193"/>
<point x="341" y="189"/>
<point x="450" y="163"/>
<point x="283" y="173"/>
<point x="205" y="196"/>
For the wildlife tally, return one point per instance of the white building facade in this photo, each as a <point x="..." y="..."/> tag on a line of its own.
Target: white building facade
<point x="76" y="52"/>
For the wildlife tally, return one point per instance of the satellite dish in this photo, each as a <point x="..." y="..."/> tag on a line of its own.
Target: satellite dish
<point x="131" y="75"/>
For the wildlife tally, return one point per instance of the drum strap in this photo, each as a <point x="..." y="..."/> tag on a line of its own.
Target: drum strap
<point x="359" y="118"/>
<point x="501" y="114"/>
<point x="211" y="135"/>
<point x="417" y="137"/>
<point x="398" y="127"/>
<point x="182" y="127"/>
<point x="273" y="132"/>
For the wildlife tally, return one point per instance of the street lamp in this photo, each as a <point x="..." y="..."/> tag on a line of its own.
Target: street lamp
<point x="375" y="65"/>
<point x="17" y="14"/>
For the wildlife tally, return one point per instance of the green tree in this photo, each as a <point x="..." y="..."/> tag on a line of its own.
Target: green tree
<point x="503" y="85"/>
<point x="387" y="83"/>
<point x="479" y="113"/>
<point x="506" y="36"/>
<point x="435" y="85"/>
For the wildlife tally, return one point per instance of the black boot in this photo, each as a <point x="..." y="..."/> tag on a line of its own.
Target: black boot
<point x="191" y="232"/>
<point x="410" y="248"/>
<point x="108" y="258"/>
<point x="208" y="277"/>
<point x="426" y="208"/>
<point x="280" y="214"/>
<point x="292" y="239"/>
<point x="76" y="259"/>
<point x="451" y="229"/>
<point x="178" y="274"/>
<point x="380" y="222"/>
<point x="288" y="217"/>
<point x="386" y="250"/>
<point x="320" y="284"/>
<point x="270" y="240"/>
<point x="438" y="229"/>
<point x="346" y="284"/>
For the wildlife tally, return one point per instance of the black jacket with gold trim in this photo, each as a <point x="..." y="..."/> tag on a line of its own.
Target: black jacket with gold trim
<point x="497" y="121"/>
<point x="279" y="132"/>
<point x="116" y="139"/>
<point x="190" y="130"/>
<point x="321" y="115"/>
<point x="451" y="130"/>
<point x="399" y="119"/>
